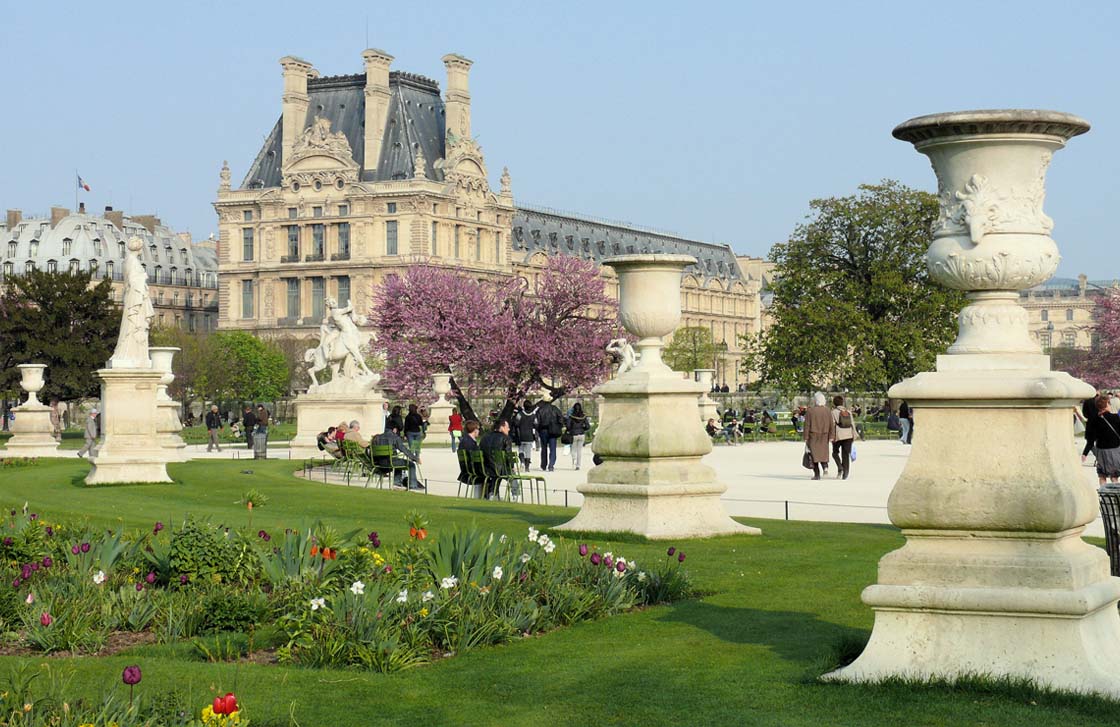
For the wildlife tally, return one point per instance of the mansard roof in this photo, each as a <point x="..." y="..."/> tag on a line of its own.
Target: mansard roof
<point x="415" y="121"/>
<point x="549" y="231"/>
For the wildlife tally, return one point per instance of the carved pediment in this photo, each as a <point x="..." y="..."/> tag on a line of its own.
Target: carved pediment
<point x="320" y="154"/>
<point x="464" y="169"/>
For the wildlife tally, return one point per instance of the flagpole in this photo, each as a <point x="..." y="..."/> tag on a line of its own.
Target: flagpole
<point x="75" y="191"/>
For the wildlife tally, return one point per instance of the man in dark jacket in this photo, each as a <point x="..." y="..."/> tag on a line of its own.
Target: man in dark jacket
<point x="398" y="457"/>
<point x="213" y="426"/>
<point x="548" y="429"/>
<point x="494" y="445"/>
<point x="248" y="424"/>
<point x="526" y="423"/>
<point x="413" y="427"/>
<point x="468" y="443"/>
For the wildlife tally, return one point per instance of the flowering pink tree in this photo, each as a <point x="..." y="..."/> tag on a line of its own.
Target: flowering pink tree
<point x="508" y="337"/>
<point x="1100" y="368"/>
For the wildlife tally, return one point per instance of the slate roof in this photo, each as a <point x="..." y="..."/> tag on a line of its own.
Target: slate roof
<point x="415" y="121"/>
<point x="551" y="231"/>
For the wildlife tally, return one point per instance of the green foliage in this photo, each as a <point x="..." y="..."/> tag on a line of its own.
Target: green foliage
<point x="61" y="320"/>
<point x="207" y="553"/>
<point x="692" y="348"/>
<point x="246" y="368"/>
<point x="854" y="306"/>
<point x="226" y="609"/>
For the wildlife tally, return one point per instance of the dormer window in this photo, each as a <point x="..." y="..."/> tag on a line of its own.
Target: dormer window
<point x="109" y="269"/>
<point x="52" y="266"/>
<point x="153" y="251"/>
<point x="34" y="250"/>
<point x="121" y="249"/>
<point x="74" y="267"/>
<point x="67" y="244"/>
<point x="13" y="248"/>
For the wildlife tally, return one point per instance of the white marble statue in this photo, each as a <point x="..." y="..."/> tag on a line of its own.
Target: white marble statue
<point x="624" y="352"/>
<point x="340" y="349"/>
<point x="132" y="343"/>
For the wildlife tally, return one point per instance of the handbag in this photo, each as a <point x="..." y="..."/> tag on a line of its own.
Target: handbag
<point x="807" y="459"/>
<point x="566" y="438"/>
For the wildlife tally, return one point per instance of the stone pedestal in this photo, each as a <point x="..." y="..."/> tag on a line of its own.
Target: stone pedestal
<point x="32" y="434"/>
<point x="994" y="577"/>
<point x="317" y="412"/>
<point x="168" y="424"/>
<point x="708" y="407"/>
<point x="130" y="449"/>
<point x="651" y="481"/>
<point x="439" y="412"/>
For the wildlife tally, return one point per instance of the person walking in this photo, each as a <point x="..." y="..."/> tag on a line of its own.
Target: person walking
<point x="213" y="427"/>
<point x="455" y="428"/>
<point x="905" y="422"/>
<point x="819" y="431"/>
<point x="413" y="427"/>
<point x="845" y="428"/>
<point x="395" y="419"/>
<point x="1102" y="435"/>
<point x="526" y="421"/>
<point x="91" y="431"/>
<point x="248" y="424"/>
<point x="578" y="424"/>
<point x="548" y="429"/>
<point x="56" y="421"/>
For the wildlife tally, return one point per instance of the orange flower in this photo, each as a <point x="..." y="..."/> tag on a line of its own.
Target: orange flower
<point x="314" y="550"/>
<point x="412" y="532"/>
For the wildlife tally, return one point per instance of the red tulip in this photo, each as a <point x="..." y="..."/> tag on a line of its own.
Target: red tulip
<point x="46" y="619"/>
<point x="226" y="704"/>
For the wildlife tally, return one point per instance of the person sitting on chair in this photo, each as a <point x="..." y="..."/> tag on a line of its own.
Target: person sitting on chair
<point x="400" y="455"/>
<point x="327" y="443"/>
<point x="468" y="444"/>
<point x="494" y="445"/>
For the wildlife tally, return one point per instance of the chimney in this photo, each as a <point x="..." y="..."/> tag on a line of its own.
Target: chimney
<point x="81" y="208"/>
<point x="458" y="98"/>
<point x="294" y="103"/>
<point x="117" y="217"/>
<point x="57" y="215"/>
<point x="148" y="222"/>
<point x="377" y="104"/>
<point x="1082" y="282"/>
<point x="14" y="218"/>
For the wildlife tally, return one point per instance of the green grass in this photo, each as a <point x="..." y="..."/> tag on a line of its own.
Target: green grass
<point x="746" y="653"/>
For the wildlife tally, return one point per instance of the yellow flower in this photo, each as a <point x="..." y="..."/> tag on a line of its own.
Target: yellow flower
<point x="423" y="612"/>
<point x="27" y="708"/>
<point x="135" y="571"/>
<point x="207" y="713"/>
<point x="86" y="724"/>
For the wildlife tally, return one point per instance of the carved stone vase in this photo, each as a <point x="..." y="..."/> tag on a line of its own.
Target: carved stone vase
<point x="168" y="425"/>
<point x="31" y="381"/>
<point x="32" y="433"/>
<point x="651" y="481"/>
<point x="708" y="407"/>
<point x="439" y="412"/>
<point x="994" y="577"/>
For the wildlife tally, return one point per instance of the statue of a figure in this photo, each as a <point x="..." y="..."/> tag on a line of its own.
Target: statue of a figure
<point x="506" y="187"/>
<point x="621" y="350"/>
<point x="224" y="175"/>
<point x="132" y="343"/>
<point x="339" y="347"/>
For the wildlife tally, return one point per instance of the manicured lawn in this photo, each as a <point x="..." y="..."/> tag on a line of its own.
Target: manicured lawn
<point x="743" y="654"/>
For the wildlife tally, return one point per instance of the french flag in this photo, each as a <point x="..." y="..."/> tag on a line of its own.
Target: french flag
<point x="82" y="184"/>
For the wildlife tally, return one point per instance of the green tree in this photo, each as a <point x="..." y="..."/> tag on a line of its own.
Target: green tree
<point x="853" y="302"/>
<point x="191" y="364"/>
<point x="692" y="348"/>
<point x="61" y="320"/>
<point x="242" y="367"/>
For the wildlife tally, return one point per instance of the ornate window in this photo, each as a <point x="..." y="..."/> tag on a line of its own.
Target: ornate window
<point x="29" y="266"/>
<point x="292" y="213"/>
<point x="391" y="237"/>
<point x="13" y="249"/>
<point x="121" y="249"/>
<point x="498" y="247"/>
<point x="1069" y="314"/>
<point x="478" y="243"/>
<point x="93" y="267"/>
<point x="1045" y="315"/>
<point x="154" y="251"/>
<point x="159" y="271"/>
<point x="247" y="244"/>
<point x="316" y="211"/>
<point x="34" y="249"/>
<point x="344" y="239"/>
<point x="317" y="241"/>
<point x="344" y="290"/>
<point x="109" y="269"/>
<point x="391" y="208"/>
<point x="293" y="297"/>
<point x="246" y="298"/>
<point x="67" y="244"/>
<point x="1069" y="339"/>
<point x="343" y="210"/>
<point x="74" y="267"/>
<point x="318" y="292"/>
<point x="52" y="266"/>
<point x="247" y="215"/>
<point x="456" y="242"/>
<point x="435" y="239"/>
<point x="9" y="268"/>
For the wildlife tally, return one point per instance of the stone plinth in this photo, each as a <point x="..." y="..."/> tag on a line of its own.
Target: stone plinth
<point x="317" y="412"/>
<point x="32" y="433"/>
<point x="440" y="411"/>
<point x="130" y="449"/>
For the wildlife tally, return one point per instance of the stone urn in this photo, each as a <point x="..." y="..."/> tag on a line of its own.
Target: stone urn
<point x="31" y="380"/>
<point x="439" y="412"/>
<point x="708" y="407"/>
<point x="162" y="356"/>
<point x="441" y="385"/>
<point x="651" y="481"/>
<point x="994" y="577"/>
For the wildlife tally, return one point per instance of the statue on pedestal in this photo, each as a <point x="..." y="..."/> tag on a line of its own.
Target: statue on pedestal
<point x="340" y="349"/>
<point x="623" y="352"/>
<point x="132" y="343"/>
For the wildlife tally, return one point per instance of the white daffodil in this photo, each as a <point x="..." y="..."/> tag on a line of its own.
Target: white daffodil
<point x="608" y="554"/>
<point x="449" y="582"/>
<point x="524" y="557"/>
<point x="317" y="603"/>
<point x="502" y="539"/>
<point x="427" y="596"/>
<point x="549" y="546"/>
<point x="616" y="573"/>
<point x="631" y="565"/>
<point x="358" y="588"/>
<point x="543" y="540"/>
<point x="99" y="577"/>
<point x="641" y="576"/>
<point x="533" y="532"/>
<point x="402" y="597"/>
<point x="497" y="574"/>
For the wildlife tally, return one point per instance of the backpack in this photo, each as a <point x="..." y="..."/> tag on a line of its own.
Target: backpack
<point x="844" y="421"/>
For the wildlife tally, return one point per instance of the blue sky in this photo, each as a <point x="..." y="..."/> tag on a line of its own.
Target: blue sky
<point x="719" y="121"/>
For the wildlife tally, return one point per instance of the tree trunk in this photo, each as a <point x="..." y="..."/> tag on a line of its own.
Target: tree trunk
<point x="465" y="408"/>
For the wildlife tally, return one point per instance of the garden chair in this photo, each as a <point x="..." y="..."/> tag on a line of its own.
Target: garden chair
<point x="351" y="459"/>
<point x="534" y="483"/>
<point x="383" y="465"/>
<point x="474" y="477"/>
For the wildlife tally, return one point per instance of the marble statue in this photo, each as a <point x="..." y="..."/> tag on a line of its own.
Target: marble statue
<point x="340" y="349"/>
<point x="621" y="349"/>
<point x="132" y="342"/>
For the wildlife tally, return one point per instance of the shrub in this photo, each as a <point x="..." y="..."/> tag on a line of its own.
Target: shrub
<point x="229" y="610"/>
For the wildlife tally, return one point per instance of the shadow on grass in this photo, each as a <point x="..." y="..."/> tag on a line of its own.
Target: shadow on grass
<point x="79" y="481"/>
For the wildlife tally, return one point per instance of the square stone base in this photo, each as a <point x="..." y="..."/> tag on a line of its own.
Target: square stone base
<point x="316" y="413"/>
<point x="130" y="450"/>
<point x="31" y="433"/>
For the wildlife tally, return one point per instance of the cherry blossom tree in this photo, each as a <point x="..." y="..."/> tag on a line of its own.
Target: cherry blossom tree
<point x="509" y="337"/>
<point x="1100" y="367"/>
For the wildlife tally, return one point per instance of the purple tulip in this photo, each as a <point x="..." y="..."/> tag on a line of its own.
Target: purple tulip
<point x="267" y="537"/>
<point x="388" y="569"/>
<point x="50" y="532"/>
<point x="46" y="619"/>
<point x="16" y="583"/>
<point x="34" y="566"/>
<point x="672" y="552"/>
<point x="139" y="586"/>
<point x="25" y="572"/>
<point x="596" y="559"/>
<point x="582" y="550"/>
<point x="377" y="543"/>
<point x="34" y="516"/>
<point x="620" y="567"/>
<point x="608" y="561"/>
<point x="131" y="675"/>
<point x="183" y="579"/>
<point x="261" y="534"/>
<point x="75" y="550"/>
<point x="151" y="577"/>
<point x="158" y="526"/>
<point x="8" y="542"/>
<point x="47" y="562"/>
<point x="85" y="547"/>
<point x="372" y="536"/>
<point x="680" y="558"/>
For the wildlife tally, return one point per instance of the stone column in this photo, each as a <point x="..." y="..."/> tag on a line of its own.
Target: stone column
<point x="994" y="577"/>
<point x="652" y="481"/>
<point x="440" y="411"/>
<point x="31" y="428"/>
<point x="168" y="425"/>
<point x="708" y="406"/>
<point x="130" y="448"/>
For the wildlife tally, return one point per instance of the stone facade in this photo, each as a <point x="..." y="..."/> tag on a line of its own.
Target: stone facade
<point x="182" y="275"/>
<point x="367" y="174"/>
<point x="1061" y="311"/>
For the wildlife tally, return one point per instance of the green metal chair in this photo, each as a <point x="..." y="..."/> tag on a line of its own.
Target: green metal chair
<point x="351" y="459"/>
<point x="474" y="477"/>
<point x="379" y="454"/>
<point x="535" y="484"/>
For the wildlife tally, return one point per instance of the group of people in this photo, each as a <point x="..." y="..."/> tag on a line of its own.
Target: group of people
<point x="542" y="426"/>
<point x="829" y="429"/>
<point x="734" y="427"/>
<point x="1102" y="434"/>
<point x="387" y="451"/>
<point x="254" y="420"/>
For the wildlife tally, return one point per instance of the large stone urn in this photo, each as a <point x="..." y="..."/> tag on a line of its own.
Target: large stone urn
<point x="32" y="433"/>
<point x="994" y="577"/>
<point x="652" y="481"/>
<point x="439" y="413"/>
<point x="168" y="424"/>
<point x="709" y="409"/>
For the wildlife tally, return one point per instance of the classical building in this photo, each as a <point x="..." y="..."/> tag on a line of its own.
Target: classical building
<point x="182" y="274"/>
<point x="1061" y="311"/>
<point x="367" y="174"/>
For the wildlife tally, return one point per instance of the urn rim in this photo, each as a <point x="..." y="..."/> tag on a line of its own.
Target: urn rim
<point x="991" y="121"/>
<point x="652" y="260"/>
